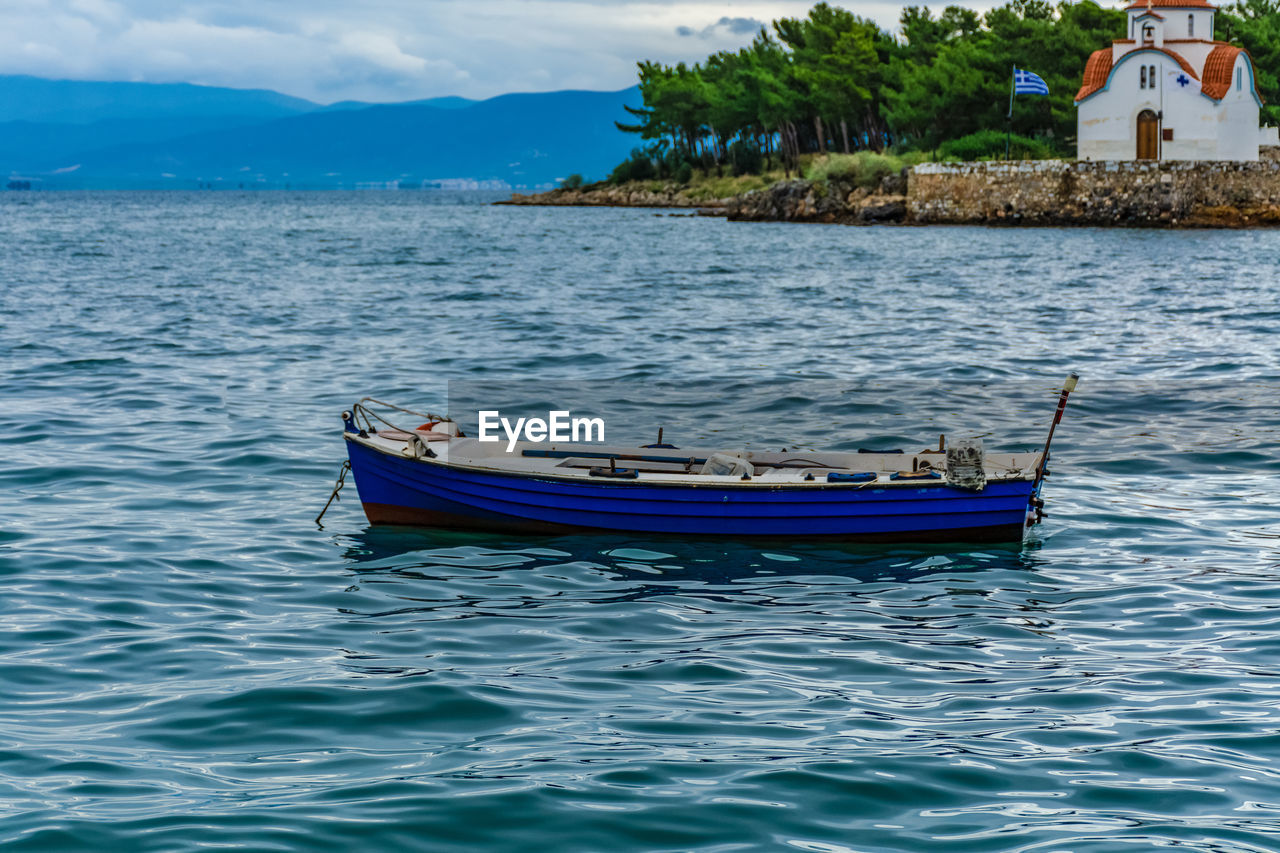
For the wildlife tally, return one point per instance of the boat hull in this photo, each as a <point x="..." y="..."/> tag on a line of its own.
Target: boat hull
<point x="397" y="490"/>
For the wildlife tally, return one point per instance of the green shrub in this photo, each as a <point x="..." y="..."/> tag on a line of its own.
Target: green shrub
<point x="638" y="167"/>
<point x="864" y="169"/>
<point x="683" y="173"/>
<point x="572" y="182"/>
<point x="912" y="158"/>
<point x="725" y="187"/>
<point x="989" y="145"/>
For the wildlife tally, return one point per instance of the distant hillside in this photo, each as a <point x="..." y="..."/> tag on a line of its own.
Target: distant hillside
<point x="83" y="102"/>
<point x="522" y="139"/>
<point x="448" y="102"/>
<point x="36" y="146"/>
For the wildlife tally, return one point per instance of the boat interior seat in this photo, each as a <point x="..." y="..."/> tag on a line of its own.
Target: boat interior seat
<point x="650" y="467"/>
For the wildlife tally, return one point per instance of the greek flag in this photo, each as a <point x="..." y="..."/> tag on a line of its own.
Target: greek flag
<point x="1026" y="83"/>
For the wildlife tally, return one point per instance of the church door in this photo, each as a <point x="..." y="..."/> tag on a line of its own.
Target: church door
<point x="1148" y="133"/>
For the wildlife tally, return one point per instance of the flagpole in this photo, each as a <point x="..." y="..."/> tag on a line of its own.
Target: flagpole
<point x="1008" y="123"/>
<point x="1160" y="124"/>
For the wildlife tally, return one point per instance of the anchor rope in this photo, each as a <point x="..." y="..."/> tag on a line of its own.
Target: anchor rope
<point x="337" y="487"/>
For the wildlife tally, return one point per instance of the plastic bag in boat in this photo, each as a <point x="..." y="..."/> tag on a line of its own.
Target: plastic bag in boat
<point x="723" y="463"/>
<point x="965" y="465"/>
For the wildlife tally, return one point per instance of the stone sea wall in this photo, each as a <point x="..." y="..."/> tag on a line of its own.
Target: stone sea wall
<point x="1056" y="192"/>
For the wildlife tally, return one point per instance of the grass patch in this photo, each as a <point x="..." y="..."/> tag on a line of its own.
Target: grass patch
<point x="704" y="187"/>
<point x="863" y="169"/>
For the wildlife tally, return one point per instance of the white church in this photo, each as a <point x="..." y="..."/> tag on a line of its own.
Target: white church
<point x="1170" y="92"/>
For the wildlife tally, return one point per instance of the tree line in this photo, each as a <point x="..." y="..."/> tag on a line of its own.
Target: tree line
<point x="833" y="81"/>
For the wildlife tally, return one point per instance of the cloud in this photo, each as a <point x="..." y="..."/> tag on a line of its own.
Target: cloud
<point x="726" y="25"/>
<point x="380" y="50"/>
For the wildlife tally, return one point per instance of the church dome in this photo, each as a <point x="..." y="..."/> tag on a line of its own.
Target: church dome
<point x="1217" y="70"/>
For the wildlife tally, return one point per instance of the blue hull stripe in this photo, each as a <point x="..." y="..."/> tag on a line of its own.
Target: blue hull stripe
<point x="385" y="480"/>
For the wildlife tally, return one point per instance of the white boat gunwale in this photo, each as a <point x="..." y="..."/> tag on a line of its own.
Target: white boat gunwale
<point x="694" y="480"/>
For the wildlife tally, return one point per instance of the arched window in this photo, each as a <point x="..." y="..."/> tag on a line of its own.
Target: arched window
<point x="1142" y="78"/>
<point x="1191" y="26"/>
<point x="1151" y="76"/>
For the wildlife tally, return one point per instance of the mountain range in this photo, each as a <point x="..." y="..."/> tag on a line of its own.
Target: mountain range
<point x="62" y="133"/>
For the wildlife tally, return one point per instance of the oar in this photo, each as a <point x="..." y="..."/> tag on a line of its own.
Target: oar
<point x="1067" y="388"/>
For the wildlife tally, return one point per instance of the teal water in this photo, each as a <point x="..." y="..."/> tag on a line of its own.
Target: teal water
<point x="187" y="660"/>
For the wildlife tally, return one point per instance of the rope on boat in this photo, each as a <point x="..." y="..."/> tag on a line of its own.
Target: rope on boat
<point x="363" y="412"/>
<point x="426" y="415"/>
<point x="337" y="487"/>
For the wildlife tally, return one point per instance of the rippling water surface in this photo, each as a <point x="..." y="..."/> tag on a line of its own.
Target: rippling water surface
<point x="186" y="659"/>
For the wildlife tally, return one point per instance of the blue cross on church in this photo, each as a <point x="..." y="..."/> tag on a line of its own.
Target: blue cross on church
<point x="1182" y="80"/>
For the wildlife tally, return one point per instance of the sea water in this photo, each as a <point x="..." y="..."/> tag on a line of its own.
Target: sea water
<point x="187" y="659"/>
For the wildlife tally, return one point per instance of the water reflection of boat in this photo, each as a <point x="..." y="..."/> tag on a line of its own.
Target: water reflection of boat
<point x="428" y="551"/>
<point x="433" y="476"/>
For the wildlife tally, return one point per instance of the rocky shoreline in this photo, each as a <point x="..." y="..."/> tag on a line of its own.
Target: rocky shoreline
<point x="1029" y="193"/>
<point x="786" y="201"/>
<point x="832" y="201"/>
<point x="595" y="195"/>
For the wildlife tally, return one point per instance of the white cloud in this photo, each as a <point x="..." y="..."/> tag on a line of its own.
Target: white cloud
<point x="724" y="26"/>
<point x="384" y="50"/>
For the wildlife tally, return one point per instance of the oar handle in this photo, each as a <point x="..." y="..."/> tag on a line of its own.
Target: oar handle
<point x="1067" y="388"/>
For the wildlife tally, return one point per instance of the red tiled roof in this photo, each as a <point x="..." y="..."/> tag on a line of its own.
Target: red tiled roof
<point x="1095" y="73"/>
<point x="1217" y="70"/>
<point x="1182" y="63"/>
<point x="1098" y="69"/>
<point x="1150" y="15"/>
<point x="1171" y="4"/>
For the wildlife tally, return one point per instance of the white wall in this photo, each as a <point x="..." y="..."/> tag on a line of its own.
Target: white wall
<point x="1175" y="23"/>
<point x="1238" y="116"/>
<point x="1192" y="117"/>
<point x="1194" y="52"/>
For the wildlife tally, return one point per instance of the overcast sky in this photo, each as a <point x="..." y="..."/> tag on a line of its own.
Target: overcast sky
<point x="380" y="50"/>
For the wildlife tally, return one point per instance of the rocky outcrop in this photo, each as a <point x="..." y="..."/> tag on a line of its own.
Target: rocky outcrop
<point x="1030" y="192"/>
<point x="832" y="201"/>
<point x="626" y="195"/>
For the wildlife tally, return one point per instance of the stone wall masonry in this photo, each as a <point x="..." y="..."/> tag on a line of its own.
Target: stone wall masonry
<point x="1057" y="192"/>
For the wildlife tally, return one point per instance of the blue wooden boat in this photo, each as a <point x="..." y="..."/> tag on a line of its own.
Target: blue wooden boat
<point x="432" y="476"/>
